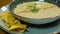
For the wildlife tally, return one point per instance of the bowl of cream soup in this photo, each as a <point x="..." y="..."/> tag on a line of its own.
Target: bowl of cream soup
<point x="35" y="11"/>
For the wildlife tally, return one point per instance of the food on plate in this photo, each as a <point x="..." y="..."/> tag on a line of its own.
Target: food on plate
<point x="20" y="28"/>
<point x="37" y="10"/>
<point x="8" y="17"/>
<point x="13" y="23"/>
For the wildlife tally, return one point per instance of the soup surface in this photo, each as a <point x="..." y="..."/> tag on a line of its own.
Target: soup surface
<point x="37" y="10"/>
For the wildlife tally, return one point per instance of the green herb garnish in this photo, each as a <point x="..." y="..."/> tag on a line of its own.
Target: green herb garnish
<point x="33" y="8"/>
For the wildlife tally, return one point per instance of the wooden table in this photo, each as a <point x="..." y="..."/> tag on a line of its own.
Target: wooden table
<point x="4" y="2"/>
<point x="2" y="32"/>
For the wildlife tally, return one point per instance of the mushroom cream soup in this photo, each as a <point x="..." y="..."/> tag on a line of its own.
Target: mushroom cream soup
<point x="37" y="10"/>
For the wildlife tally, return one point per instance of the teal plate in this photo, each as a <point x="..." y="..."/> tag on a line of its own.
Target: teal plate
<point x="44" y="29"/>
<point x="36" y="29"/>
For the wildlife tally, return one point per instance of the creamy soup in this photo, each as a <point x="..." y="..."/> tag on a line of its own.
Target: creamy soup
<point x="37" y="10"/>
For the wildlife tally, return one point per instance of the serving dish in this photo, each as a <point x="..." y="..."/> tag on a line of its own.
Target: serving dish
<point x="30" y="20"/>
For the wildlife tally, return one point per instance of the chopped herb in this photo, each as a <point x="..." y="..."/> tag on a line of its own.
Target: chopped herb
<point x="33" y="8"/>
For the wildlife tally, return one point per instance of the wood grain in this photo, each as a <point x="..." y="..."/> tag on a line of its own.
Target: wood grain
<point x="4" y="2"/>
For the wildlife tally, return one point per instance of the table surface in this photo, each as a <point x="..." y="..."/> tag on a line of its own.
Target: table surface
<point x="2" y="32"/>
